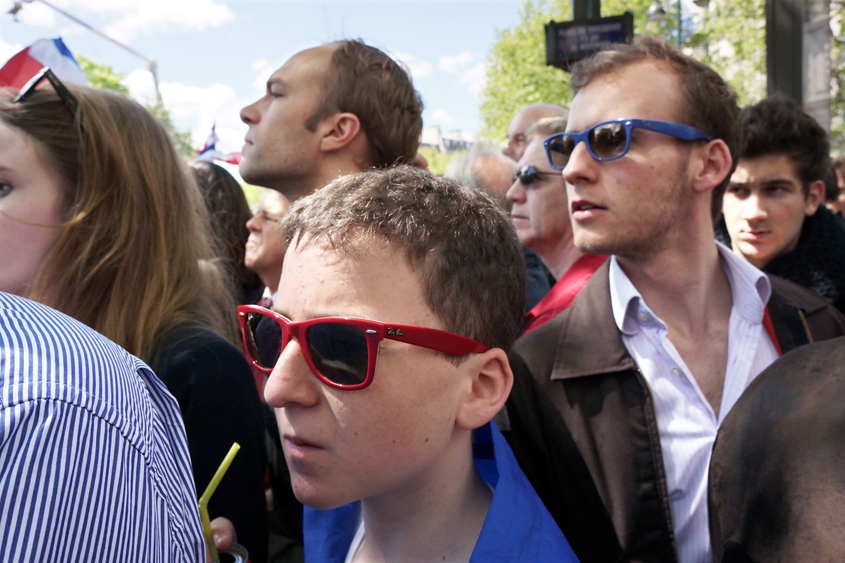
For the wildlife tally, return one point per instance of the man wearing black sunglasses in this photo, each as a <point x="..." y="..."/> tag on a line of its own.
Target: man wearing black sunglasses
<point x="540" y="216"/>
<point x="386" y="362"/>
<point x="632" y="381"/>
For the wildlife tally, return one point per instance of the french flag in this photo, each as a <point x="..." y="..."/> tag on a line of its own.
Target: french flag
<point x="45" y="52"/>
<point x="209" y="152"/>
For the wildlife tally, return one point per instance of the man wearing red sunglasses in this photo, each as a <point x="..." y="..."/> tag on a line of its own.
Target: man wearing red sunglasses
<point x="386" y="362"/>
<point x="631" y="383"/>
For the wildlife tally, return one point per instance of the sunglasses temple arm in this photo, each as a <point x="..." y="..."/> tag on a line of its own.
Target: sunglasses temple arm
<point x="433" y="339"/>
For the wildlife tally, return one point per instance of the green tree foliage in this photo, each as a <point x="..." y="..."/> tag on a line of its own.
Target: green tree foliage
<point x="438" y="161"/>
<point x="181" y="139"/>
<point x="103" y="76"/>
<point x="254" y="194"/>
<point x="837" y="66"/>
<point x="517" y="74"/>
<point x="730" y="36"/>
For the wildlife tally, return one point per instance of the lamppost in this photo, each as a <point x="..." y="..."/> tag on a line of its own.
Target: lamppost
<point x="151" y="64"/>
<point x="656" y="13"/>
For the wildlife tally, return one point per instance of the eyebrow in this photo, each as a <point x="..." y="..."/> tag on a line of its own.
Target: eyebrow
<point x="276" y="80"/>
<point x="766" y="182"/>
<point x="777" y="181"/>
<point x="327" y="316"/>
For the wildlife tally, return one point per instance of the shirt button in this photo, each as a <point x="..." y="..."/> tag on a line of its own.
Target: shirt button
<point x="676" y="370"/>
<point x="643" y="317"/>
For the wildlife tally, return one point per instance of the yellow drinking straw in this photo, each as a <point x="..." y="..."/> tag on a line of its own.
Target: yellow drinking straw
<point x="206" y="496"/>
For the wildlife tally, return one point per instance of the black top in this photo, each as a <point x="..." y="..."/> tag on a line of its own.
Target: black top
<point x="216" y="392"/>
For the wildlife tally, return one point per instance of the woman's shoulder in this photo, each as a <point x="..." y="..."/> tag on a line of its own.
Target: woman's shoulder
<point x="195" y="352"/>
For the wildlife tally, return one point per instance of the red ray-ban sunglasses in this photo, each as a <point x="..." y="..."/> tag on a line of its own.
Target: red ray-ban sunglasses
<point x="341" y="352"/>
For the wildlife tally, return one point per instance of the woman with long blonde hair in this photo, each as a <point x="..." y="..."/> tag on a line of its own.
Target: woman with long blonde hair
<point x="102" y="221"/>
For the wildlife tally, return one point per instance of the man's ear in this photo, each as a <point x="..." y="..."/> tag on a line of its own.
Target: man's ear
<point x="815" y="197"/>
<point x="339" y="130"/>
<point x="492" y="380"/>
<point x="711" y="166"/>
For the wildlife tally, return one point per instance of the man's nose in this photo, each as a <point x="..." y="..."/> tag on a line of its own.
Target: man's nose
<point x="755" y="209"/>
<point x="250" y="114"/>
<point x="581" y="165"/>
<point x="516" y="193"/>
<point x="511" y="149"/>
<point x="291" y="381"/>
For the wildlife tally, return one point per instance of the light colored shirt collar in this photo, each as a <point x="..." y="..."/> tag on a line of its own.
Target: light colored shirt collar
<point x="627" y="302"/>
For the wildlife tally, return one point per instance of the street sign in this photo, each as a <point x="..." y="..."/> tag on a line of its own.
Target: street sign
<point x="569" y="42"/>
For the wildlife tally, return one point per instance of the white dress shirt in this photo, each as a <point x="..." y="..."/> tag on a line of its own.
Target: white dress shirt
<point x="686" y="421"/>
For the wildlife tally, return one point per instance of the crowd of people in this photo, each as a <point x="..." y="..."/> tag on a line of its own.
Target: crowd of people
<point x="568" y="349"/>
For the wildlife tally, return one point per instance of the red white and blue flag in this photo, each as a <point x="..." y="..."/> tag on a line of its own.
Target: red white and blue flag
<point x="209" y="152"/>
<point x="45" y="52"/>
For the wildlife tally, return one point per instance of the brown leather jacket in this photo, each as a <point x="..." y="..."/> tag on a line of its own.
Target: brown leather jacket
<point x="584" y="427"/>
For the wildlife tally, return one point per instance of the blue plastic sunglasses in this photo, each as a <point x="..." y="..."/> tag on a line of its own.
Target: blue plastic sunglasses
<point x="610" y="140"/>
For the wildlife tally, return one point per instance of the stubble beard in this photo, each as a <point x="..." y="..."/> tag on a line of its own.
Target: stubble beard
<point x="647" y="234"/>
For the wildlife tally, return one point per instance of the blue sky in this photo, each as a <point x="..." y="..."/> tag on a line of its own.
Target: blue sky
<point x="214" y="55"/>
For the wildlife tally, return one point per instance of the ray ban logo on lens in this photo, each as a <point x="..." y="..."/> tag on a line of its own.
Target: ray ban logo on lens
<point x="391" y="332"/>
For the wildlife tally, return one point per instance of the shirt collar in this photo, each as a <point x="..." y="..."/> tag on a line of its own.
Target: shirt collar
<point x="750" y="289"/>
<point x="746" y="281"/>
<point x="625" y="299"/>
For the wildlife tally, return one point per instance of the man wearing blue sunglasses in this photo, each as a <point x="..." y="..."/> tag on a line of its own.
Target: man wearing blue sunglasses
<point x="632" y="382"/>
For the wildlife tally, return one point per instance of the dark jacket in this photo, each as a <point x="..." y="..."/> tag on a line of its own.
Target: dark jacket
<point x="584" y="427"/>
<point x="817" y="261"/>
<point x="216" y="392"/>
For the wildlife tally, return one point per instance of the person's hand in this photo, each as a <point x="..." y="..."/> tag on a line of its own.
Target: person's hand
<point x="223" y="533"/>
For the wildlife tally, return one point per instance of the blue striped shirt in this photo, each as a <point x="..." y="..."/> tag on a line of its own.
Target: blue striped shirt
<point x="94" y="463"/>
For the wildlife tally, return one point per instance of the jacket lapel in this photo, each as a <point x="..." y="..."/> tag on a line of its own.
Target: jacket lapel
<point x="589" y="326"/>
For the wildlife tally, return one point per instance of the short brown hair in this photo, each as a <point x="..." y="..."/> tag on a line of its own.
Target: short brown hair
<point x="707" y="103"/>
<point x="463" y="244"/>
<point x="367" y="82"/>
<point x="545" y="127"/>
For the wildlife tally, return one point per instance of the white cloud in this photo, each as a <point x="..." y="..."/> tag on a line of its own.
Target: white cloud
<point x="259" y="64"/>
<point x="418" y="67"/>
<point x="475" y="77"/>
<point x="455" y="63"/>
<point x="7" y="50"/>
<point x="440" y="116"/>
<point x="34" y="13"/>
<point x="195" y="109"/>
<point x="134" y="16"/>
<point x="141" y="86"/>
<point x="260" y="82"/>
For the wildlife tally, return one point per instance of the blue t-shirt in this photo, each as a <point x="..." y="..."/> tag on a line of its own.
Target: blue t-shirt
<point x="517" y="528"/>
